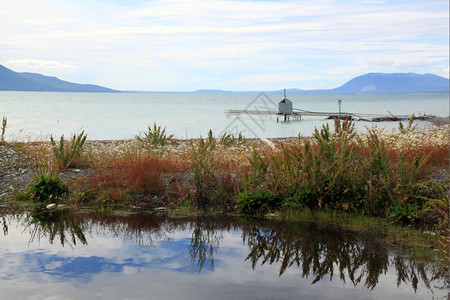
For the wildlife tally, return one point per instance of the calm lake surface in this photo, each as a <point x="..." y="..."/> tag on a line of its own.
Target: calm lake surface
<point x="61" y="255"/>
<point x="109" y="116"/>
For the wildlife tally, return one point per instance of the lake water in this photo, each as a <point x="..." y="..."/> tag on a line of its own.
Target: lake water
<point x="37" y="115"/>
<point x="61" y="255"/>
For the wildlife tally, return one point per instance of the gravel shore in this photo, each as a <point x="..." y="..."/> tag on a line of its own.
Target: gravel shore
<point x="14" y="171"/>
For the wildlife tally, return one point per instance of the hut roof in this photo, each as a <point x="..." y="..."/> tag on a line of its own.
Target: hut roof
<point x="285" y="100"/>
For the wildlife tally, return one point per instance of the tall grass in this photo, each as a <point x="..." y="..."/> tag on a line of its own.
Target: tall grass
<point x="338" y="171"/>
<point x="388" y="179"/>
<point x="317" y="173"/>
<point x="67" y="154"/>
<point x="203" y="164"/>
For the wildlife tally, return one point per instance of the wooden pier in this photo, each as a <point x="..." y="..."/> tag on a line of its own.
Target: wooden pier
<point x="297" y="114"/>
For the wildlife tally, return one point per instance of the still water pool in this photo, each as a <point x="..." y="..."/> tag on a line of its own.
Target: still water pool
<point x="61" y="255"/>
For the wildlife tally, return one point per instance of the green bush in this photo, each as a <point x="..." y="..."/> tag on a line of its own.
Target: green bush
<point x="261" y="201"/>
<point x="155" y="136"/>
<point x="47" y="188"/>
<point x="66" y="155"/>
<point x="404" y="213"/>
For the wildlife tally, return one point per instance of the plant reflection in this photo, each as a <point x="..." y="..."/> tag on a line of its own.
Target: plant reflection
<point x="5" y="226"/>
<point x="139" y="229"/>
<point x="56" y="224"/>
<point x="205" y="242"/>
<point x="316" y="250"/>
<point x="322" y="250"/>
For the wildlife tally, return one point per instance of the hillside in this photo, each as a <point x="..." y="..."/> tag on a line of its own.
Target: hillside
<point x="395" y="83"/>
<point x="14" y="81"/>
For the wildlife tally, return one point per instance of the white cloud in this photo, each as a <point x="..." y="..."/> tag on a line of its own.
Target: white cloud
<point x="224" y="40"/>
<point x="274" y="77"/>
<point x="39" y="64"/>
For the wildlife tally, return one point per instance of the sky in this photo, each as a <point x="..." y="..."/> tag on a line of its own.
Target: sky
<point x="239" y="45"/>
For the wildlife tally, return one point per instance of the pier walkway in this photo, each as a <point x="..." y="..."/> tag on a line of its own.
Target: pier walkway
<point x="297" y="114"/>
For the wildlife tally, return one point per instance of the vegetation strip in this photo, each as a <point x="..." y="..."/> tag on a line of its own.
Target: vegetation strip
<point x="400" y="177"/>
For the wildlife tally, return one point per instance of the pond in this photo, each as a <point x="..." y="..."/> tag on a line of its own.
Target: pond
<point x="63" y="255"/>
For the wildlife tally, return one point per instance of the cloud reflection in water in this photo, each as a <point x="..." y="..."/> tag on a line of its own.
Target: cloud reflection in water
<point x="202" y="256"/>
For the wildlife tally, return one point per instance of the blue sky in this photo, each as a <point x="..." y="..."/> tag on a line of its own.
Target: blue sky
<point x="179" y="45"/>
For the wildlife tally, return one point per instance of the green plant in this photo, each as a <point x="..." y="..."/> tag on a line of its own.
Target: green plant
<point x="256" y="202"/>
<point x="155" y="136"/>
<point x="203" y="164"/>
<point x="241" y="138"/>
<point x="4" y="123"/>
<point x="388" y="177"/>
<point x="404" y="213"/>
<point x="47" y="188"/>
<point x="210" y="139"/>
<point x="409" y="128"/>
<point x="227" y="139"/>
<point x="226" y="190"/>
<point x="341" y="171"/>
<point x="81" y="196"/>
<point x="320" y="172"/>
<point x="66" y="155"/>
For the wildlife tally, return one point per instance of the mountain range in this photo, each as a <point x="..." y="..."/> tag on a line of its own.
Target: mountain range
<point x="13" y="81"/>
<point x="369" y="83"/>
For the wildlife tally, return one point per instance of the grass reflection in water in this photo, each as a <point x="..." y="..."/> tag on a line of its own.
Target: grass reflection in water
<point x="310" y="249"/>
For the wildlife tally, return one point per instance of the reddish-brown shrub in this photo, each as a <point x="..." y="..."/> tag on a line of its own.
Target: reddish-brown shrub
<point x="438" y="155"/>
<point x="142" y="174"/>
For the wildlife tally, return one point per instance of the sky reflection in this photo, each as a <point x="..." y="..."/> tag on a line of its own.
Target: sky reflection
<point x="158" y="258"/>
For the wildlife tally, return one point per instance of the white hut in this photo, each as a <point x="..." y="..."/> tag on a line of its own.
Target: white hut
<point x="285" y="105"/>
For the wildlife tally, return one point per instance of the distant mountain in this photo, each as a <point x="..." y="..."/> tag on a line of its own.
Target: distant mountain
<point x="395" y="83"/>
<point x="215" y="92"/>
<point x="372" y="83"/>
<point x="13" y="81"/>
